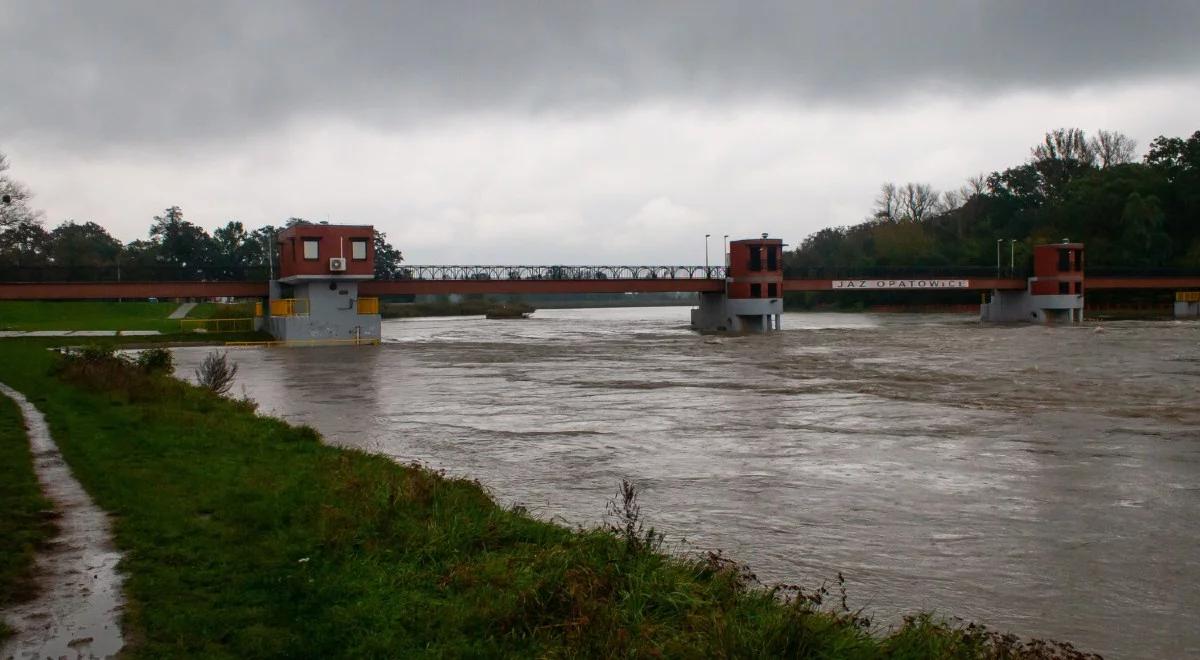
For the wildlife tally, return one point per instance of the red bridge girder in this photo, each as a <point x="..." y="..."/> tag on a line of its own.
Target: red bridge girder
<point x="1165" y="283"/>
<point x="972" y="285"/>
<point x="108" y="290"/>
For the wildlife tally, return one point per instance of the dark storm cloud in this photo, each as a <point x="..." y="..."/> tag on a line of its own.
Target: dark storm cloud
<point x="119" y="71"/>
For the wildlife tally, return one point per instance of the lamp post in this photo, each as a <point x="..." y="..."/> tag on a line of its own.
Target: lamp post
<point x="119" y="270"/>
<point x="998" y="242"/>
<point x="1012" y="253"/>
<point x="707" y="273"/>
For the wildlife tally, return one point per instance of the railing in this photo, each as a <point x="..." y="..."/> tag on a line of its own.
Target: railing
<point x="216" y="325"/>
<point x="559" y="273"/>
<point x="258" y="308"/>
<point x="289" y="307"/>
<point x="289" y="343"/>
<point x="368" y="305"/>
<point x="1187" y="296"/>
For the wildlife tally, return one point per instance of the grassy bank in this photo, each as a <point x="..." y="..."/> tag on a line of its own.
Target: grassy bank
<point x="107" y="315"/>
<point x="70" y="315"/>
<point x="25" y="519"/>
<point x="247" y="537"/>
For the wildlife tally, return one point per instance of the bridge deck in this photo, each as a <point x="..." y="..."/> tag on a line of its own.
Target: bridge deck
<point x="106" y="290"/>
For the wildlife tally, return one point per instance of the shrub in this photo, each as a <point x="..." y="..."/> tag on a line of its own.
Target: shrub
<point x="156" y="361"/>
<point x="216" y="373"/>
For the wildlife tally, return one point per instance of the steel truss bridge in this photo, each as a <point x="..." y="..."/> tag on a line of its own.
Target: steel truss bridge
<point x="560" y="272"/>
<point x="522" y="279"/>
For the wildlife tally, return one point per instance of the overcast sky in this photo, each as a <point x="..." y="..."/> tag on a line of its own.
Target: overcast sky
<point x="569" y="132"/>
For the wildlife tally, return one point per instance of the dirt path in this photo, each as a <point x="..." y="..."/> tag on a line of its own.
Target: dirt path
<point x="78" y="608"/>
<point x="182" y="311"/>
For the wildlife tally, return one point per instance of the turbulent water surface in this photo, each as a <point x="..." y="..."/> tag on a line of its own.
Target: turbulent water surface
<point x="1043" y="480"/>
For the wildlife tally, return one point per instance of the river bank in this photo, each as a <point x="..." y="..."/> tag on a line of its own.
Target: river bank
<point x="464" y="308"/>
<point x="247" y="537"/>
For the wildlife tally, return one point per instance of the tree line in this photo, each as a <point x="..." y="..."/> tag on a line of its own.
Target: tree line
<point x="176" y="249"/>
<point x="1133" y="214"/>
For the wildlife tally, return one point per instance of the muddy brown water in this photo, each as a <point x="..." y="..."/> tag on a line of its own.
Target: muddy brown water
<point x="1034" y="479"/>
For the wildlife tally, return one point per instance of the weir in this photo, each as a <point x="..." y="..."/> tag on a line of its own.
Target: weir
<point x="753" y="297"/>
<point x="316" y="296"/>
<point x="1053" y="295"/>
<point x="326" y="289"/>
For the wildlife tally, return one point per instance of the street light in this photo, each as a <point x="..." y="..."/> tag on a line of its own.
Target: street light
<point x="706" y="272"/>
<point x="1012" y="252"/>
<point x="998" y="242"/>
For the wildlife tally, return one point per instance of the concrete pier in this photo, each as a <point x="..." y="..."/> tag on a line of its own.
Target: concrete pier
<point x="1187" y="304"/>
<point x="1017" y="306"/>
<point x="718" y="313"/>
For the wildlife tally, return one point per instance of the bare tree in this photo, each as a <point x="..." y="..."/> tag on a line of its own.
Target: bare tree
<point x="1065" y="144"/>
<point x="887" y="204"/>
<point x="1113" y="148"/>
<point x="917" y="201"/>
<point x="14" y="197"/>
<point x="951" y="200"/>
<point x="976" y="185"/>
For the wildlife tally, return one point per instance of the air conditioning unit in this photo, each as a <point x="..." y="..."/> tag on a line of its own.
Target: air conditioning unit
<point x="337" y="264"/>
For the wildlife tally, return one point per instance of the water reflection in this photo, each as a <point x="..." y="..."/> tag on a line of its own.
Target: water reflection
<point x="1040" y="479"/>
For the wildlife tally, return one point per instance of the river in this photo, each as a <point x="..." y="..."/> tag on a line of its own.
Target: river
<point x="1043" y="480"/>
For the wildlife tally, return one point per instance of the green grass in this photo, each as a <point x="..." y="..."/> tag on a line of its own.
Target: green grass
<point x="246" y="537"/>
<point x="62" y="315"/>
<point x="25" y="516"/>
<point x="222" y="311"/>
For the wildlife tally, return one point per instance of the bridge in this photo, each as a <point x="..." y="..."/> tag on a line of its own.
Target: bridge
<point x="323" y="293"/>
<point x="467" y="284"/>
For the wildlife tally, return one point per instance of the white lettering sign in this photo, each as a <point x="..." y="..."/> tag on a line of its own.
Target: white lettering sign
<point x="900" y="284"/>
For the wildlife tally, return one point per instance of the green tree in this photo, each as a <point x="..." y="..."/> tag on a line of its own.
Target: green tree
<point x="24" y="245"/>
<point x="1143" y="241"/>
<point x="83" y="251"/>
<point x="183" y="245"/>
<point x="387" y="258"/>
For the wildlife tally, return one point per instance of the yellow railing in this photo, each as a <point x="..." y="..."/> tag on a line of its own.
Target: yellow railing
<point x="216" y="325"/>
<point x="289" y="307"/>
<point x="1187" y="296"/>
<point x="368" y="305"/>
<point x="295" y="343"/>
<point x="258" y="308"/>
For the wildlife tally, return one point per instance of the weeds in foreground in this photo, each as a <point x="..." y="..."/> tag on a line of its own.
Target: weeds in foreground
<point x="216" y="373"/>
<point x="624" y="518"/>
